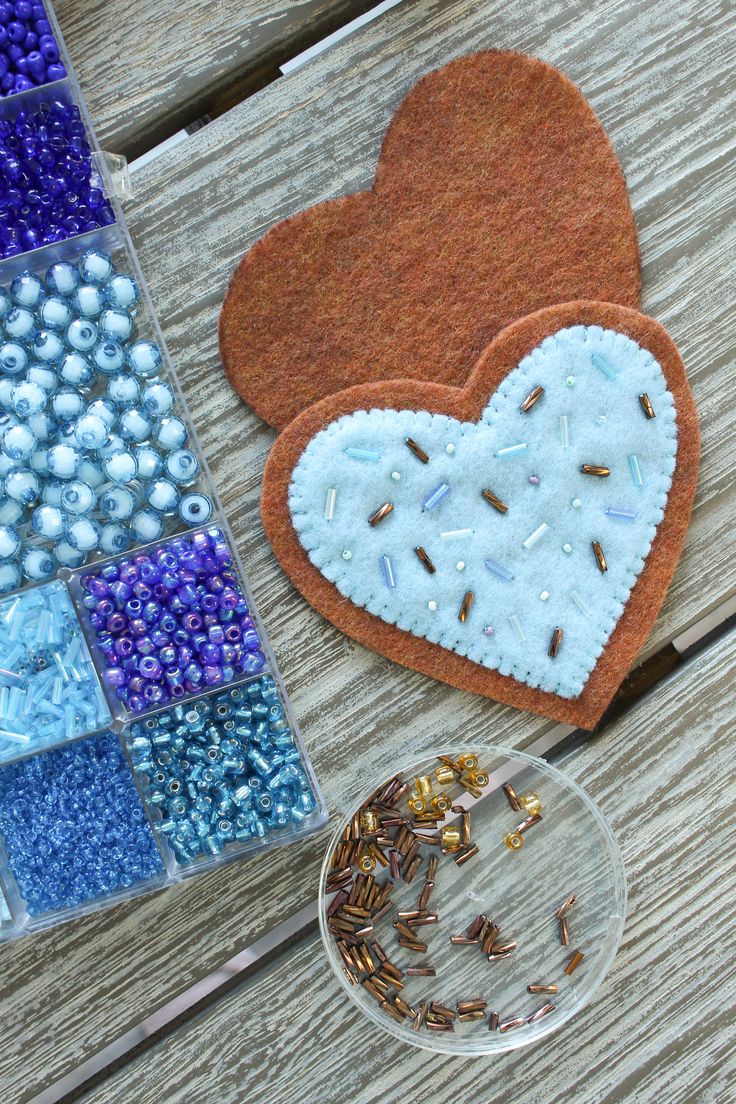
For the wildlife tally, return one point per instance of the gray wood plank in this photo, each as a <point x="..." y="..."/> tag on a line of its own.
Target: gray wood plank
<point x="150" y="69"/>
<point x="659" y="1028"/>
<point x="315" y="134"/>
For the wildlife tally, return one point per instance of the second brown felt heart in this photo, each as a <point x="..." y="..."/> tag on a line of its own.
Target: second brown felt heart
<point x="497" y="192"/>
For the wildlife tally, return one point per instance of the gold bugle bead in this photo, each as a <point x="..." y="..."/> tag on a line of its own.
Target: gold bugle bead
<point x="494" y="501"/>
<point x="467" y="1017"/>
<point x="595" y="469"/>
<point x="465" y="607"/>
<point x="378" y="515"/>
<point x="532" y="399"/>
<point x="573" y="962"/>
<point x="417" y="450"/>
<point x="424" y="560"/>
<point x="646" y="404"/>
<point x="539" y="988"/>
<point x="600" y="558"/>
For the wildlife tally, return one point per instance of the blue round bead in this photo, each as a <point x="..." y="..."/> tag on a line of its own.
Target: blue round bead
<point x="96" y="266"/>
<point x="49" y="522"/>
<point x="170" y="433"/>
<point x="161" y="495"/>
<point x="118" y="502"/>
<point x="120" y="466"/>
<point x="146" y="526"/>
<point x="18" y="442"/>
<point x="88" y="301"/>
<point x="13" y="358"/>
<point x="144" y="359"/>
<point x="63" y="278"/>
<point x="82" y="335"/>
<point x="116" y="324"/>
<point x="84" y="534"/>
<point x="91" y="431"/>
<point x="27" y="289"/>
<point x="63" y="461"/>
<point x="115" y="538"/>
<point x="48" y="345"/>
<point x="9" y="542"/>
<point x="76" y="370"/>
<point x="28" y="398"/>
<point x="68" y="556"/>
<point x="78" y="497"/>
<point x="158" y="399"/>
<point x="19" y="323"/>
<point x="135" y="425"/>
<point x="124" y="390"/>
<point x="67" y="404"/>
<point x="121" y="290"/>
<point x="44" y="375"/>
<point x="55" y="313"/>
<point x="149" y="462"/>
<point x="37" y="564"/>
<point x="105" y="409"/>
<point x="9" y="576"/>
<point x="182" y="466"/>
<point x="195" y="509"/>
<point x="109" y="356"/>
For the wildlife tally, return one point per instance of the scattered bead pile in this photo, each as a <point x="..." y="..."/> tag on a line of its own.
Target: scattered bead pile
<point x="49" y="188"/>
<point x="29" y="55"/>
<point x="223" y="770"/>
<point x="49" y="690"/>
<point x="73" y="825"/>
<point x="172" y="622"/>
<point x="92" y="453"/>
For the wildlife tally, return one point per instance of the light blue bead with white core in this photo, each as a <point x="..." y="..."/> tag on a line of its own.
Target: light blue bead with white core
<point x="105" y="409"/>
<point x="124" y="390"/>
<point x="118" y="502"/>
<point x="91" y="473"/>
<point x="11" y="511"/>
<point x="149" y="462"/>
<point x="44" y="375"/>
<point x="63" y="278"/>
<point x="47" y="345"/>
<point x="84" y="534"/>
<point x="51" y="492"/>
<point x="144" y="359"/>
<point x="158" y="399"/>
<point x="55" y="313"/>
<point x="120" y="467"/>
<point x="13" y="358"/>
<point x="50" y="522"/>
<point x="146" y="526"/>
<point x="82" y="335"/>
<point x="5" y="302"/>
<point x="472" y="467"/>
<point x="113" y="444"/>
<point x="7" y="465"/>
<point x="182" y="466"/>
<point x="78" y="498"/>
<point x="170" y="433"/>
<point x="27" y="289"/>
<point x="116" y="324"/>
<point x="9" y="542"/>
<point x="76" y="370"/>
<point x="121" y="290"/>
<point x="7" y="387"/>
<point x="18" y="442"/>
<point x="19" y="323"/>
<point x="63" y="461"/>
<point x="135" y="425"/>
<point x="37" y="564"/>
<point x="108" y="356"/>
<point x="43" y="425"/>
<point x="28" y="398"/>
<point x="196" y="509"/>
<point x="115" y="538"/>
<point x="38" y="461"/>
<point x="68" y="556"/>
<point x="67" y="404"/>
<point x="91" y="431"/>
<point x="9" y="576"/>
<point x="163" y="496"/>
<point x="96" y="266"/>
<point x="88" y="302"/>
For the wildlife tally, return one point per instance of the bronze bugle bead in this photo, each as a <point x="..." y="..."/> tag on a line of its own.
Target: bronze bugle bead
<point x="466" y="828"/>
<point x="450" y="763"/>
<point x="337" y="902"/>
<point x="381" y="985"/>
<point x="432" y="868"/>
<point x="412" y="869"/>
<point x="430" y="841"/>
<point x="495" y="957"/>
<point x="421" y="971"/>
<point x="350" y="975"/>
<point x="513" y="800"/>
<point x="420" y="921"/>
<point x="356" y="889"/>
<point x="477" y="924"/>
<point x="443" y="1011"/>
<point x="381" y="913"/>
<point x="460" y="860"/>
<point x="378" y="515"/>
<point x="365" y="931"/>
<point x="462" y="941"/>
<point x="485" y="928"/>
<point x="555" y="642"/>
<point x="471" y="1006"/>
<point x="495" y="502"/>
<point x="335" y="924"/>
<point x="404" y="929"/>
<point x="420" y="1017"/>
<point x="464" y="610"/>
<point x="379" y="951"/>
<point x="425" y="560"/>
<point x="573" y="962"/>
<point x="532" y="399"/>
<point x="355" y="826"/>
<point x="344" y="953"/>
<point x="378" y="854"/>
<point x="393" y="862"/>
<point x="548" y="987"/>
<point x="390" y="981"/>
<point x="389" y="1009"/>
<point x="509" y="1025"/>
<point x="388" y="967"/>
<point x="369" y="987"/>
<point x="493" y="1021"/>
<point x="399" y="793"/>
<point x="472" y="789"/>
<point x="543" y="1011"/>
<point x="413" y="945"/>
<point x="417" y="450"/>
<point x="595" y="469"/>
<point x="527" y="823"/>
<point x="600" y="558"/>
<point x="356" y="910"/>
<point x="566" y="905"/>
<point x="406" y="844"/>
<point x="425" y="894"/>
<point x="646" y="404"/>
<point x="466" y="1017"/>
<point x="433" y="1025"/>
<point x="490" y="938"/>
<point x="412" y="853"/>
<point x="564" y="931"/>
<point x="410" y="914"/>
<point x="404" y="1008"/>
<point x="503" y="948"/>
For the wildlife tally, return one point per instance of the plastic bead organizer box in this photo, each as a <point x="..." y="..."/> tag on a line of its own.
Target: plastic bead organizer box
<point x="144" y="731"/>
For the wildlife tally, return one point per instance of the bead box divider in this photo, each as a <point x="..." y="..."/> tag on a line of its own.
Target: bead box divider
<point x="115" y="239"/>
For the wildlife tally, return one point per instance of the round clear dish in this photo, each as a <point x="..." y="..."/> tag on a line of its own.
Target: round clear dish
<point x="508" y="958"/>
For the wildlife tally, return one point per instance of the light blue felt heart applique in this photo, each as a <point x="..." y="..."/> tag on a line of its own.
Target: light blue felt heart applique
<point x="532" y="569"/>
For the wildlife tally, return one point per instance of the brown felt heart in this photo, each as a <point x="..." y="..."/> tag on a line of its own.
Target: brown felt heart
<point x="497" y="193"/>
<point x="516" y="354"/>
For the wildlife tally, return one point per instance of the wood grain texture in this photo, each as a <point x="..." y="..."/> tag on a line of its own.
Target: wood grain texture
<point x="149" y="69"/>
<point x="659" y="1028"/>
<point x="661" y="77"/>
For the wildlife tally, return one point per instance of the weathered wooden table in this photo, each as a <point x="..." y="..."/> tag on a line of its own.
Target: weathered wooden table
<point x="660" y="73"/>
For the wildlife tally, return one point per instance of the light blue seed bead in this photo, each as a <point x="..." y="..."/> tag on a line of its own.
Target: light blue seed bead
<point x="76" y="370"/>
<point x="108" y="356"/>
<point x="182" y="466"/>
<point x="44" y="375"/>
<point x="105" y="409"/>
<point x="144" y="359"/>
<point x="23" y="486"/>
<point x="121" y="290"/>
<point x="55" y="313"/>
<point x="162" y="496"/>
<point x="84" y="534"/>
<point x="115" y="538"/>
<point x="158" y="399"/>
<point x="96" y="266"/>
<point x="38" y="462"/>
<point x="9" y="576"/>
<point x="27" y="289"/>
<point x="91" y="473"/>
<point x="82" y="335"/>
<point x="196" y="509"/>
<point x="87" y="301"/>
<point x="116" y="324"/>
<point x="19" y="323"/>
<point x="63" y="278"/>
<point x="67" y="404"/>
<point x="170" y="433"/>
<point x="146" y="525"/>
<point x="118" y="502"/>
<point x="42" y="425"/>
<point x="149" y="462"/>
<point x="48" y="345"/>
<point x="9" y="542"/>
<point x="135" y="425"/>
<point x="50" y="522"/>
<point x="68" y="556"/>
<point x="51" y="492"/>
<point x="11" y="512"/>
<point x="90" y="431"/>
<point x="28" y="398"/>
<point x="78" y="497"/>
<point x="114" y="443"/>
<point x="120" y="467"/>
<point x="37" y="564"/>
<point x="18" y="442"/>
<point x="63" y="461"/>
<point x="7" y="387"/>
<point x="123" y="390"/>
<point x="13" y="358"/>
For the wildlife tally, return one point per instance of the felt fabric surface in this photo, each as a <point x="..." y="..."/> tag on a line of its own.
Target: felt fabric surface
<point x="556" y="581"/>
<point x="467" y="405"/>
<point x="497" y="192"/>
